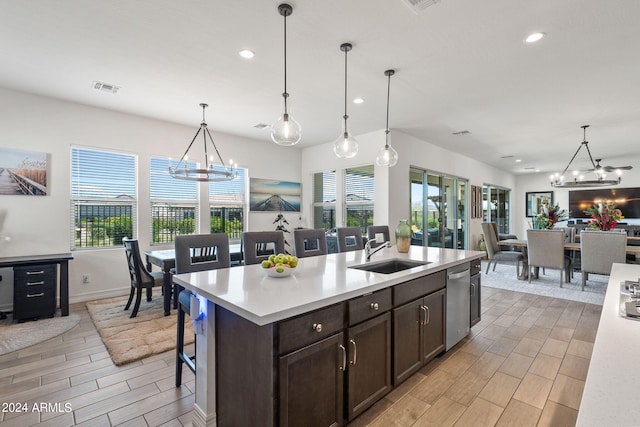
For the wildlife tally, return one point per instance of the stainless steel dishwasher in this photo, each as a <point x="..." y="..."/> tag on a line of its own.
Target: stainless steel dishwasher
<point x="458" y="304"/>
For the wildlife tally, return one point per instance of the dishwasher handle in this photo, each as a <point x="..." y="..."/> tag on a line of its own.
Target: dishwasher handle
<point x="459" y="275"/>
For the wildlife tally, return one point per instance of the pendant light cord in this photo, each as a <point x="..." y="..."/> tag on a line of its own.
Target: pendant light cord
<point x="285" y="95"/>
<point x="345" y="91"/>
<point x="386" y="138"/>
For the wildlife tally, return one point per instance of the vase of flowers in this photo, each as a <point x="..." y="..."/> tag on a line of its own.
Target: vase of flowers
<point x="549" y="216"/>
<point x="604" y="216"/>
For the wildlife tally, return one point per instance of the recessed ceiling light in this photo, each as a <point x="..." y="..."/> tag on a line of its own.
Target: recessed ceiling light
<point x="518" y="160"/>
<point x="261" y="126"/>
<point x="246" y="53"/>
<point x="358" y="100"/>
<point x="534" y="37"/>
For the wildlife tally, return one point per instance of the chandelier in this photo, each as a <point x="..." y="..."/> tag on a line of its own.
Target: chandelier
<point x="559" y="180"/>
<point x="210" y="172"/>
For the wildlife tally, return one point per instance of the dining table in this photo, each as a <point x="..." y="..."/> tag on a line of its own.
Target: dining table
<point x="166" y="260"/>
<point x="522" y="245"/>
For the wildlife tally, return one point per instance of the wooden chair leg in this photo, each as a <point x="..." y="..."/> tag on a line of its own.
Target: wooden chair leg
<point x="136" y="306"/>
<point x="488" y="265"/>
<point x="133" y="291"/>
<point x="149" y="294"/>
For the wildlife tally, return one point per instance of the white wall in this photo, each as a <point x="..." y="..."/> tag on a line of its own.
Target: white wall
<point x="392" y="184"/>
<point x="42" y="225"/>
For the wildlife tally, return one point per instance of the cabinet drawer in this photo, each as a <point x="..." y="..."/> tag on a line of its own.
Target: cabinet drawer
<point x="31" y="273"/>
<point x="368" y="306"/>
<point x="308" y="328"/>
<point x="417" y="288"/>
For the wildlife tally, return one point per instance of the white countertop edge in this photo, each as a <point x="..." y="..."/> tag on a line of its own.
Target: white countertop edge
<point x="611" y="395"/>
<point x="374" y="282"/>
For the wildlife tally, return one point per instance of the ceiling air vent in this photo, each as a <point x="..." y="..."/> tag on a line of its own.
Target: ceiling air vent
<point x="419" y="6"/>
<point x="261" y="126"/>
<point x="461" y="132"/>
<point x="105" y="87"/>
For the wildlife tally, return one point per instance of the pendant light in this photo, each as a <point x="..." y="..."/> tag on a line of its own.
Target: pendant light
<point x="209" y="173"/>
<point x="345" y="146"/>
<point x="285" y="131"/>
<point x="387" y="156"/>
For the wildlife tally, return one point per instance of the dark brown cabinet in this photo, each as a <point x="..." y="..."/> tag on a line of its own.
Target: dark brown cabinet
<point x="419" y="334"/>
<point x="474" y="291"/>
<point x="369" y="366"/>
<point x="34" y="291"/>
<point x="312" y="384"/>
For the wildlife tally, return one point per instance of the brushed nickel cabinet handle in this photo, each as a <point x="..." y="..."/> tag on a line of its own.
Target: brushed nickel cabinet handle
<point x="473" y="290"/>
<point x="423" y="310"/>
<point x="317" y="327"/>
<point x="30" y="273"/>
<point x="428" y="312"/>
<point x="344" y="358"/>
<point x="374" y="306"/>
<point x="41" y="282"/>
<point x="355" y="353"/>
<point x="41" y="294"/>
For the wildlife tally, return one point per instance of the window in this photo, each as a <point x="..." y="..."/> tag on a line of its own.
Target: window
<point x="174" y="202"/>
<point x="359" y="196"/>
<point x="227" y="205"/>
<point x="103" y="197"/>
<point x="324" y="200"/>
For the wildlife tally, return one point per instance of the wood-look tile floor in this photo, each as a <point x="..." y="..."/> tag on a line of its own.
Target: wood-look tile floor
<point x="524" y="364"/>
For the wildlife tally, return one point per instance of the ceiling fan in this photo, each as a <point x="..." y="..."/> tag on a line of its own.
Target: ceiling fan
<point x="608" y="168"/>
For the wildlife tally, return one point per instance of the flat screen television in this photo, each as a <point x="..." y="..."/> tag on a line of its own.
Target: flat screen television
<point x="627" y="200"/>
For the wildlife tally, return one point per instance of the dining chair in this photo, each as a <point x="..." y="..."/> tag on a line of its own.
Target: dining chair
<point x="195" y="252"/>
<point x="310" y="242"/>
<point x="373" y="231"/>
<point x="599" y="250"/>
<point x="347" y="235"/>
<point x="258" y="245"/>
<point x="545" y="248"/>
<point x="140" y="277"/>
<point x="494" y="252"/>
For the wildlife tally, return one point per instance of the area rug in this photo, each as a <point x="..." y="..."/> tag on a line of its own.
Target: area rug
<point x="504" y="277"/>
<point x="16" y="336"/>
<point x="127" y="339"/>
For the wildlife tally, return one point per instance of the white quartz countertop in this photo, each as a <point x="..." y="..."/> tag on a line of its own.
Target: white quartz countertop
<point x="611" y="395"/>
<point x="317" y="282"/>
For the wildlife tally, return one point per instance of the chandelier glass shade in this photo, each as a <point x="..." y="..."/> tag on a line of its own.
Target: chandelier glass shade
<point x="346" y="145"/>
<point x="211" y="172"/>
<point x="286" y="131"/>
<point x="577" y="180"/>
<point x="387" y="155"/>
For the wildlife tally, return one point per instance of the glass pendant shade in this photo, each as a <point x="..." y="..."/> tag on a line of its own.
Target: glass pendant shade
<point x="286" y="131"/>
<point x="387" y="156"/>
<point x="345" y="146"/>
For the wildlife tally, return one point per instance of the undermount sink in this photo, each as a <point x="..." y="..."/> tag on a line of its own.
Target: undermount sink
<point x="390" y="266"/>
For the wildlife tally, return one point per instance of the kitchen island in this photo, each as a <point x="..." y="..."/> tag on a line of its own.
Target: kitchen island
<point x="264" y="343"/>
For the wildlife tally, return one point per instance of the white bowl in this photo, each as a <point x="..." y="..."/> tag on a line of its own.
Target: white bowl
<point x="282" y="271"/>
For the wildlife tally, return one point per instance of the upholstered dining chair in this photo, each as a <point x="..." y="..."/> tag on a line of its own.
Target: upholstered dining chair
<point x="545" y="248"/>
<point x="140" y="277"/>
<point x="373" y="231"/>
<point x="195" y="252"/>
<point x="310" y="242"/>
<point x="349" y="239"/>
<point x="599" y="250"/>
<point x="256" y="245"/>
<point x="494" y="252"/>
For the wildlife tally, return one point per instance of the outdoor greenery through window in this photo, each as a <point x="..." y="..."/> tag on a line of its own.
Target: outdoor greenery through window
<point x="226" y="205"/>
<point x="324" y="200"/>
<point x="173" y="202"/>
<point x="359" y="196"/>
<point x="103" y="197"/>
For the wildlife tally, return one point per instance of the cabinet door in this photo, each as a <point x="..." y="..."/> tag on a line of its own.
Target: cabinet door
<point x="407" y="330"/>
<point x="311" y="384"/>
<point x="369" y="350"/>
<point x="434" y="324"/>
<point x="475" y="299"/>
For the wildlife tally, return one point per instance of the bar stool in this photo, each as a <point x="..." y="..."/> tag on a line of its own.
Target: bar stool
<point x="195" y="252"/>
<point x="346" y="235"/>
<point x="255" y="245"/>
<point x="310" y="242"/>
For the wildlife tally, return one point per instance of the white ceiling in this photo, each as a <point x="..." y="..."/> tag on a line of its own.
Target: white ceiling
<point x="460" y="65"/>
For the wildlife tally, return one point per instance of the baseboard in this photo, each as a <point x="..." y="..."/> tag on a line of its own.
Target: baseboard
<point x="92" y="296"/>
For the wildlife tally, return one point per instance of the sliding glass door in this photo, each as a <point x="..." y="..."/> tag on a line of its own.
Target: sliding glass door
<point x="438" y="209"/>
<point x="496" y="206"/>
